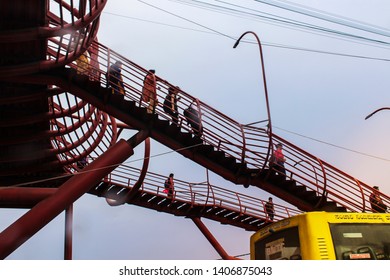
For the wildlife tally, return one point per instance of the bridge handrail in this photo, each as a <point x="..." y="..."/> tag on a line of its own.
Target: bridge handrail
<point x="200" y="194"/>
<point x="236" y="140"/>
<point x="77" y="26"/>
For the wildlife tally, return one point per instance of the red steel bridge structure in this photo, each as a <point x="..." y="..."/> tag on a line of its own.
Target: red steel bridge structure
<point x="52" y="116"/>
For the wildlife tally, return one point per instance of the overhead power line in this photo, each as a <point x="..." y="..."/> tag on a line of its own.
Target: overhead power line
<point x="186" y="19"/>
<point x="274" y="19"/>
<point x="337" y="19"/>
<point x="216" y="32"/>
<point x="303" y="25"/>
<point x="333" y="145"/>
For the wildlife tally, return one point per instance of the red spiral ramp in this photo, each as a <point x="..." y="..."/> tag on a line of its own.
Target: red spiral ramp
<point x="45" y="130"/>
<point x="34" y="29"/>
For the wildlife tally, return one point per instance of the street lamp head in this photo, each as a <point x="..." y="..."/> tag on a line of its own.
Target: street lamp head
<point x="376" y="111"/>
<point x="238" y="40"/>
<point x="369" y="116"/>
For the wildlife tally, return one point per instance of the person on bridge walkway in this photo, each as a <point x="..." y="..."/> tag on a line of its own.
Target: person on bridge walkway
<point x="149" y="91"/>
<point x="269" y="209"/>
<point x="279" y="160"/>
<point x="114" y="78"/>
<point x="82" y="63"/>
<point x="83" y="162"/>
<point x="170" y="104"/>
<point x="170" y="186"/>
<point x="193" y="119"/>
<point x="377" y="204"/>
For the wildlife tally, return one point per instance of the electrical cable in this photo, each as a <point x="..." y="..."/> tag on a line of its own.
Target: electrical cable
<point x="332" y="145"/>
<point x="318" y="14"/>
<point x="278" y="19"/>
<point x="285" y="21"/>
<point x="213" y="31"/>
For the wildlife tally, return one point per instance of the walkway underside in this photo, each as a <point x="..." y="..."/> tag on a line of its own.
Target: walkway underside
<point x="186" y="143"/>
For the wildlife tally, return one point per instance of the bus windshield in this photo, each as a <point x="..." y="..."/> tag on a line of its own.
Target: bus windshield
<point x="361" y="241"/>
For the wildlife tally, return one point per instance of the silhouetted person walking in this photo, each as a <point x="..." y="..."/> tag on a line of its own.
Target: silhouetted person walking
<point x="279" y="160"/>
<point x="170" y="103"/>
<point x="115" y="80"/>
<point x="269" y="209"/>
<point x="149" y="91"/>
<point x="377" y="204"/>
<point x="170" y="186"/>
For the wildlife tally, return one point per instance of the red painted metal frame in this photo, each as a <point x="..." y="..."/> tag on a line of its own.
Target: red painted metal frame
<point x="246" y="143"/>
<point x="80" y="33"/>
<point x="203" y="194"/>
<point x="139" y="182"/>
<point x="213" y="241"/>
<point x="19" y="197"/>
<point x="80" y="130"/>
<point x="68" y="243"/>
<point x="83" y="28"/>
<point x="31" y="222"/>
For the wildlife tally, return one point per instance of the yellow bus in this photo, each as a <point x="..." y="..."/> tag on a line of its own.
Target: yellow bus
<point x="324" y="236"/>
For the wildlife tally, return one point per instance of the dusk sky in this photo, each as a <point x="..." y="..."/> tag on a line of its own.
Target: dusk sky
<point x="327" y="65"/>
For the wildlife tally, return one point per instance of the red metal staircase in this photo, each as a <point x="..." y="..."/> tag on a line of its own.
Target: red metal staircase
<point x="52" y="117"/>
<point x="239" y="153"/>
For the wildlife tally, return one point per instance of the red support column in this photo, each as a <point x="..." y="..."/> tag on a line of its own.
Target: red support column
<point x="68" y="233"/>
<point x="212" y="240"/>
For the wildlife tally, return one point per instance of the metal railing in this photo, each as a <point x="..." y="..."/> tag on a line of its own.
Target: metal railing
<point x="204" y="195"/>
<point x="79" y="130"/>
<point x="72" y="21"/>
<point x="246" y="143"/>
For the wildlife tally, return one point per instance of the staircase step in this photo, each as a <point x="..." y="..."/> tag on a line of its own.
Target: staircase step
<point x="172" y="129"/>
<point x="230" y="163"/>
<point x="299" y="190"/>
<point x="329" y="206"/>
<point x="310" y="196"/>
<point x="102" y="185"/>
<point x="185" y="136"/>
<point x="116" y="100"/>
<point x="127" y="105"/>
<point x="214" y="210"/>
<point x="161" y="124"/>
<point x="93" y="86"/>
<point x="206" y="149"/>
<point x="218" y="155"/>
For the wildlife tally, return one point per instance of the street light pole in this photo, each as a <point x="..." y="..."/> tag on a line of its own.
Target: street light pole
<point x="270" y="147"/>
<point x="376" y="111"/>
<point x="264" y="78"/>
